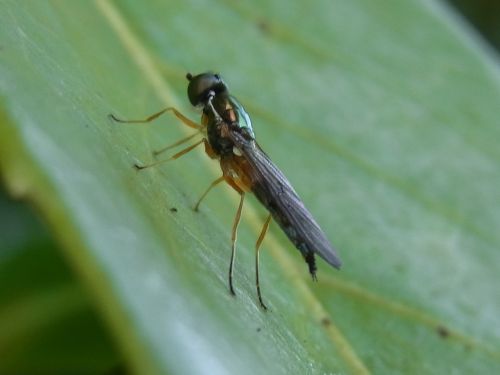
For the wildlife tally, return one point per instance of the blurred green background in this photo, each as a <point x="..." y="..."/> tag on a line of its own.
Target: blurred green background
<point x="49" y="322"/>
<point x="484" y="16"/>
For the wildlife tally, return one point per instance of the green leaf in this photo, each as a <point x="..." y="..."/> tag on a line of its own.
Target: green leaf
<point x="384" y="118"/>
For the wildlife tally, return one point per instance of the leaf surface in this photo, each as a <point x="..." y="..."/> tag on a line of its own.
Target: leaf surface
<point x="382" y="117"/>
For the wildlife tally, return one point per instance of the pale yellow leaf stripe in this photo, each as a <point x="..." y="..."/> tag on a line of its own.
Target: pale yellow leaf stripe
<point x="406" y="312"/>
<point x="146" y="64"/>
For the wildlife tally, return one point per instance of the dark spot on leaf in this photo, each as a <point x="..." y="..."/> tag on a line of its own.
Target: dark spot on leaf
<point x="442" y="331"/>
<point x="258" y="329"/>
<point x="326" y="322"/>
<point x="173" y="209"/>
<point x="264" y="26"/>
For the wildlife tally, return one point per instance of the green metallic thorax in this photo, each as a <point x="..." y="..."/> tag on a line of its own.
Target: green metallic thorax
<point x="233" y="114"/>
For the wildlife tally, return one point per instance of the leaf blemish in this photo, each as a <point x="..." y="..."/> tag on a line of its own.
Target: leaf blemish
<point x="442" y="331"/>
<point x="264" y="26"/>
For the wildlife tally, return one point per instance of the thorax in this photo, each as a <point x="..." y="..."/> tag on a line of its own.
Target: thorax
<point x="233" y="117"/>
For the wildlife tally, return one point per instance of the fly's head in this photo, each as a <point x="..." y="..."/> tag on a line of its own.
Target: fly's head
<point x="204" y="87"/>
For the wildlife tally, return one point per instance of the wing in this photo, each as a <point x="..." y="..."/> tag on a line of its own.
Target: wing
<point x="276" y="193"/>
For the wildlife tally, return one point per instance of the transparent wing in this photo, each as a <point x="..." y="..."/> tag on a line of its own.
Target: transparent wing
<point x="276" y="193"/>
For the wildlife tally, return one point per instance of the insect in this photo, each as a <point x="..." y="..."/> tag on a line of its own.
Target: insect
<point x="228" y="136"/>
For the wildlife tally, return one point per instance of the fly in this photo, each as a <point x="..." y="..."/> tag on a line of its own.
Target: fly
<point x="228" y="136"/>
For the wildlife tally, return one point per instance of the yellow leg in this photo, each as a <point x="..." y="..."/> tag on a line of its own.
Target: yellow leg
<point x="233" y="242"/>
<point x="257" y="248"/>
<point x="154" y="116"/>
<point x="179" y="142"/>
<point x="212" y="185"/>
<point x="173" y="157"/>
